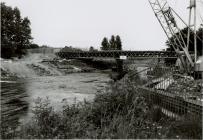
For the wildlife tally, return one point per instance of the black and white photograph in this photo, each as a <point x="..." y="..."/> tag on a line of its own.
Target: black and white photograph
<point x="101" y="69"/>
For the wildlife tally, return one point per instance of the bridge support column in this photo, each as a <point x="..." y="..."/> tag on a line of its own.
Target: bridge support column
<point x="120" y="70"/>
<point x="119" y="63"/>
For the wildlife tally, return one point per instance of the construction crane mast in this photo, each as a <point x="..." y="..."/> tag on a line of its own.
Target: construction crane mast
<point x="192" y="7"/>
<point x="164" y="14"/>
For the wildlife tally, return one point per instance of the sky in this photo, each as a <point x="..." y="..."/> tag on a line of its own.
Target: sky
<point x="84" y="23"/>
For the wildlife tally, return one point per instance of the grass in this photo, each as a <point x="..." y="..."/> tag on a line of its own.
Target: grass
<point x="120" y="112"/>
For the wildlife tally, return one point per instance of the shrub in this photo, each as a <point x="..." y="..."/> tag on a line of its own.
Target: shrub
<point x="188" y="127"/>
<point x="156" y="113"/>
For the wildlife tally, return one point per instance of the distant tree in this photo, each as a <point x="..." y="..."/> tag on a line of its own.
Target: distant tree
<point x="112" y="43"/>
<point x="91" y="49"/>
<point x="105" y="44"/>
<point x="118" y="43"/>
<point x="191" y="43"/>
<point x="33" y="46"/>
<point x="44" y="46"/>
<point x="70" y="49"/>
<point x="15" y="32"/>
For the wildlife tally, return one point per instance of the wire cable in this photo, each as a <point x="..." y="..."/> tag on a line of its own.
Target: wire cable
<point x="201" y="18"/>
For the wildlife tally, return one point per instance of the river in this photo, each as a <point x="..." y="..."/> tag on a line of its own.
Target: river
<point x="18" y="94"/>
<point x="25" y="85"/>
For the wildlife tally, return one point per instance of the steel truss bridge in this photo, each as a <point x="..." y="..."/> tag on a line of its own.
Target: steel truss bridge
<point x="117" y="54"/>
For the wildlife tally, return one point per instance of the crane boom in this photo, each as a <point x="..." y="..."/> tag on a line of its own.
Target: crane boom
<point x="164" y="14"/>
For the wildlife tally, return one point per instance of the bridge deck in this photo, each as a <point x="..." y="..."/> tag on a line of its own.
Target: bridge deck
<point x="116" y="54"/>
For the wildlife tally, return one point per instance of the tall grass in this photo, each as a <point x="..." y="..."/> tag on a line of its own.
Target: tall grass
<point x="119" y="112"/>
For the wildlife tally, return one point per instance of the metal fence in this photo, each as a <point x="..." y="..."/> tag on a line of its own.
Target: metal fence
<point x="116" y="54"/>
<point x="177" y="94"/>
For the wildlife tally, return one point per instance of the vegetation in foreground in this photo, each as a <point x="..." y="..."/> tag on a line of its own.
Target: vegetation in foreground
<point x="120" y="112"/>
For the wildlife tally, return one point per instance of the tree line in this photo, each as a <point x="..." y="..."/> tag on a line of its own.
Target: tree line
<point x="113" y="44"/>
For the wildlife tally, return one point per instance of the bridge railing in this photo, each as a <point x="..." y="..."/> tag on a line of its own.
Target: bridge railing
<point x="117" y="54"/>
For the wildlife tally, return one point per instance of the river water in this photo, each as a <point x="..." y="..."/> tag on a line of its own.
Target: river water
<point x="18" y="95"/>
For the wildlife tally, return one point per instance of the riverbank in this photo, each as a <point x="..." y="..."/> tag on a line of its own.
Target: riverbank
<point x="40" y="65"/>
<point x="120" y="111"/>
<point x="48" y="65"/>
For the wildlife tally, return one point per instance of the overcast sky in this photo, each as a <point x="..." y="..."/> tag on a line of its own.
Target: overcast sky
<point x="84" y="23"/>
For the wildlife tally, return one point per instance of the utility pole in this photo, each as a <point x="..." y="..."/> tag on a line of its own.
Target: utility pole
<point x="192" y="5"/>
<point x="189" y="24"/>
<point x="195" y="32"/>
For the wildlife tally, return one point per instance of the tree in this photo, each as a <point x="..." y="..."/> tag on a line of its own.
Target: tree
<point x="105" y="44"/>
<point x="45" y="46"/>
<point x="33" y="46"/>
<point x="118" y="43"/>
<point x="191" y="43"/>
<point x="15" y="32"/>
<point x="112" y="43"/>
<point x="91" y="49"/>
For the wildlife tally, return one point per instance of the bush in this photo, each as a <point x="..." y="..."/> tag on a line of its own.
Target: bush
<point x="156" y="114"/>
<point x="188" y="127"/>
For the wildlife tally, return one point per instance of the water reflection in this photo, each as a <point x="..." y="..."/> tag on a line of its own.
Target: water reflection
<point x="18" y="95"/>
<point x="13" y="102"/>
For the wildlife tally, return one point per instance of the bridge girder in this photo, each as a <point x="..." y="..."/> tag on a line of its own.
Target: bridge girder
<point x="117" y="54"/>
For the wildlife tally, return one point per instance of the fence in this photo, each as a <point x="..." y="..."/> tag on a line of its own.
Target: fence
<point x="175" y="93"/>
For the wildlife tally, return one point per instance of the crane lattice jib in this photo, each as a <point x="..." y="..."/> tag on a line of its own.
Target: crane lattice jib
<point x="163" y="12"/>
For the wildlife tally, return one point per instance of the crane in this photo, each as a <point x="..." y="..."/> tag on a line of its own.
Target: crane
<point x="164" y="14"/>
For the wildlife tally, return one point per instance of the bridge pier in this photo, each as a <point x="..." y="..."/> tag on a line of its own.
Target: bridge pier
<point x="119" y="69"/>
<point x="119" y="63"/>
